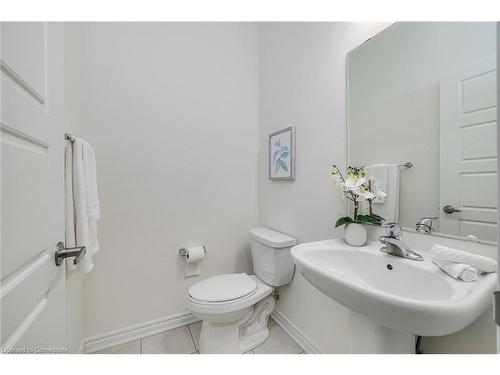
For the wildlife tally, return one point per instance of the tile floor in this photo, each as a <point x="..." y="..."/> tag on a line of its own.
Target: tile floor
<point x="184" y="340"/>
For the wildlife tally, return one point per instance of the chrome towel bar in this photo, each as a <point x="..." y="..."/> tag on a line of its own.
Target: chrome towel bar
<point x="64" y="252"/>
<point x="406" y="165"/>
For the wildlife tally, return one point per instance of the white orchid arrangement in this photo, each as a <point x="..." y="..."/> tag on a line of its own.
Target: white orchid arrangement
<point x="357" y="188"/>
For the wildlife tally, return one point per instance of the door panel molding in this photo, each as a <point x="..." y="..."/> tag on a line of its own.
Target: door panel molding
<point x="25" y="324"/>
<point x="22" y="140"/>
<point x="9" y="72"/>
<point x="17" y="277"/>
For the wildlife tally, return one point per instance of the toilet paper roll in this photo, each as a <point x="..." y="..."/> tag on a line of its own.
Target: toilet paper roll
<point x="195" y="254"/>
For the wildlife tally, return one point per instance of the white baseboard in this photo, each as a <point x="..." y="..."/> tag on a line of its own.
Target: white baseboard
<point x="294" y="332"/>
<point x="153" y="327"/>
<point x="138" y="331"/>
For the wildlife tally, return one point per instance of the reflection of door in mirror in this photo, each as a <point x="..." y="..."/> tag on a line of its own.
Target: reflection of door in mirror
<point x="468" y="178"/>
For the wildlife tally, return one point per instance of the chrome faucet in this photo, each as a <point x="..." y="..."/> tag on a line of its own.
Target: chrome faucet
<point x="424" y="224"/>
<point x="394" y="244"/>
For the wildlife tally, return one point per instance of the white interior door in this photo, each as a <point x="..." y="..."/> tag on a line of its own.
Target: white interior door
<point x="468" y="167"/>
<point x="32" y="188"/>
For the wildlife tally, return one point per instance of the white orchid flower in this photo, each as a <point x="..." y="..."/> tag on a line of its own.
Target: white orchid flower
<point x="354" y="183"/>
<point x="365" y="194"/>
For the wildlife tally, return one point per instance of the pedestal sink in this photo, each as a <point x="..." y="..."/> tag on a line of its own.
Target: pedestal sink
<point x="391" y="300"/>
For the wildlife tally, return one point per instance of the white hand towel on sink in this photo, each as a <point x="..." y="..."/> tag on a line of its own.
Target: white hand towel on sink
<point x="446" y="254"/>
<point x="458" y="270"/>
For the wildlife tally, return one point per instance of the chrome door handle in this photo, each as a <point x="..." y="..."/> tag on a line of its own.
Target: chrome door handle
<point x="63" y="252"/>
<point x="450" y="209"/>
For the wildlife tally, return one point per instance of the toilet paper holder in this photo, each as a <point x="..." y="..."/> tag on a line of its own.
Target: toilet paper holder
<point x="184" y="253"/>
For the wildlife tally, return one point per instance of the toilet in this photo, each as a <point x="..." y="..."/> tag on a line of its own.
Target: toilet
<point x="235" y="307"/>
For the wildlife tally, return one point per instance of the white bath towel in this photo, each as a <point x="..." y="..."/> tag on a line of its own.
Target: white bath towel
<point x="388" y="177"/>
<point x="446" y="254"/>
<point x="82" y="201"/>
<point x="458" y="270"/>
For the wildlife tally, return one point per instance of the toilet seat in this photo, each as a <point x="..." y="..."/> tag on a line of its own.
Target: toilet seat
<point x="223" y="288"/>
<point x="220" y="307"/>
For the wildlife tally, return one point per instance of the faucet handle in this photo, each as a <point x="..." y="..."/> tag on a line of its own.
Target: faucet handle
<point x="393" y="230"/>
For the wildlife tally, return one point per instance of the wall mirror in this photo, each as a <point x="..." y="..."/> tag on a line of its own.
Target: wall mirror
<point x="425" y="93"/>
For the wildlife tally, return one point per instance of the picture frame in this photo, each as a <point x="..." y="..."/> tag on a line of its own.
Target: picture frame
<point x="282" y="154"/>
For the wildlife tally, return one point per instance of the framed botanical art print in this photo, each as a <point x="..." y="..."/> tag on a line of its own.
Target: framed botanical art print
<point x="282" y="154"/>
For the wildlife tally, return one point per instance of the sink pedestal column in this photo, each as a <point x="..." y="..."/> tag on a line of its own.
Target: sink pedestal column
<point x="366" y="337"/>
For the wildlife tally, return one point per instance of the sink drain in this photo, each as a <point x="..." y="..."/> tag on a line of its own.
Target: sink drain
<point x="389" y="267"/>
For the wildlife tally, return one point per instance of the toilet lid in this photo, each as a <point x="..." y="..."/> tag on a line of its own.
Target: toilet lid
<point x="223" y="288"/>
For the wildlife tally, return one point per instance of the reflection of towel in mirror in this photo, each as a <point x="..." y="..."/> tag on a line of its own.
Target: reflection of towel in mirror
<point x="458" y="270"/>
<point x="379" y="173"/>
<point x="387" y="176"/>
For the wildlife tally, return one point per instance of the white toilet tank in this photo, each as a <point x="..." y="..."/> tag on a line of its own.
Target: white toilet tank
<point x="272" y="261"/>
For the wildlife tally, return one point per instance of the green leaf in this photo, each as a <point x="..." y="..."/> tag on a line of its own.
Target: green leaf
<point x="365" y="219"/>
<point x="343" y="221"/>
<point x="360" y="219"/>
<point x="379" y="218"/>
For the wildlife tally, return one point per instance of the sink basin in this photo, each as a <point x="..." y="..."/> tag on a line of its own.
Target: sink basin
<point x="403" y="295"/>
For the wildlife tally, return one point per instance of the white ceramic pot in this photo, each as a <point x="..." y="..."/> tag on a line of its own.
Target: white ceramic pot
<point x="355" y="234"/>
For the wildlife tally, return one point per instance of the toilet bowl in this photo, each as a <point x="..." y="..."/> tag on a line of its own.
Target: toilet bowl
<point x="225" y="322"/>
<point x="235" y="308"/>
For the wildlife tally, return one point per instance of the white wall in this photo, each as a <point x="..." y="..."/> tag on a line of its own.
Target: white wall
<point x="172" y="111"/>
<point x="302" y="83"/>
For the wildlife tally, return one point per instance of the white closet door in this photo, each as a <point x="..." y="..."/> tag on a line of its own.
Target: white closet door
<point x="32" y="190"/>
<point x="468" y="169"/>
